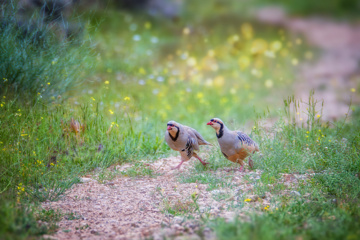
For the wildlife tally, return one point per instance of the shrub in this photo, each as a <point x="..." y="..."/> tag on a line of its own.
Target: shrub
<point x="35" y="63"/>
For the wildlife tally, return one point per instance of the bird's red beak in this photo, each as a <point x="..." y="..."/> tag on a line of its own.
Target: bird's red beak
<point x="169" y="128"/>
<point x="209" y="123"/>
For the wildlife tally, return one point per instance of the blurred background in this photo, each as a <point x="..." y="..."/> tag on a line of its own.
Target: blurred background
<point x="177" y="59"/>
<point x="85" y="85"/>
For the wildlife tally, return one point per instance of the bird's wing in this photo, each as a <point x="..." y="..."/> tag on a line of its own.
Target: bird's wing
<point x="247" y="142"/>
<point x="200" y="139"/>
<point x="191" y="144"/>
<point x="192" y="139"/>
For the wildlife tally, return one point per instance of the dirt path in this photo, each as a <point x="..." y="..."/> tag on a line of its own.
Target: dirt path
<point x="335" y="73"/>
<point x="135" y="208"/>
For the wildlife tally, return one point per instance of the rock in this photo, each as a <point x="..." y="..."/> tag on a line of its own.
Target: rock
<point x="177" y="227"/>
<point x="295" y="193"/>
<point x="229" y="216"/>
<point x="178" y="220"/>
<point x="188" y="237"/>
<point x="135" y="225"/>
<point x="49" y="237"/>
<point x="85" y="180"/>
<point x="216" y="191"/>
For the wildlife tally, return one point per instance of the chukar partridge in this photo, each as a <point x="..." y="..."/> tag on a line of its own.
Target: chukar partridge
<point x="185" y="140"/>
<point x="234" y="145"/>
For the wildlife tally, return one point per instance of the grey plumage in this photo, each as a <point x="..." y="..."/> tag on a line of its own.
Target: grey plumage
<point x="185" y="140"/>
<point x="234" y="145"/>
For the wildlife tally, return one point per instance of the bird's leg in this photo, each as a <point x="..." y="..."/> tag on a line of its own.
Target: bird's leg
<point x="203" y="162"/>
<point x="251" y="163"/>
<point x="178" y="166"/>
<point x="242" y="168"/>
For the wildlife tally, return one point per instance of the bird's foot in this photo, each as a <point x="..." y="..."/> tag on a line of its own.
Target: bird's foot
<point x="205" y="163"/>
<point x="251" y="163"/>
<point x="178" y="166"/>
<point x="202" y="162"/>
<point x="242" y="169"/>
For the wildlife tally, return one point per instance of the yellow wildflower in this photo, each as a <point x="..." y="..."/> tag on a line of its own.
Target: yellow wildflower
<point x="352" y="89"/>
<point x="276" y="46"/>
<point x="147" y="25"/>
<point x="294" y="62"/>
<point x="186" y="31"/>
<point x="110" y="111"/>
<point x="200" y="95"/>
<point x="126" y="98"/>
<point x="247" y="200"/>
<point x="107" y="82"/>
<point x="92" y="98"/>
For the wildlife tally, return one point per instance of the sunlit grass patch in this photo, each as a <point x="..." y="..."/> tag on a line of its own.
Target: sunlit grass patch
<point x="43" y="157"/>
<point x="214" y="181"/>
<point x="139" y="169"/>
<point x="301" y="220"/>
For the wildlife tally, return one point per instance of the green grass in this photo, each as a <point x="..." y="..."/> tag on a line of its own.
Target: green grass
<point x="328" y="202"/>
<point x="147" y="71"/>
<point x="139" y="169"/>
<point x="22" y="222"/>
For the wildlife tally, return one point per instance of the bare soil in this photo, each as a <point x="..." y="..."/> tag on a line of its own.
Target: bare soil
<point x="136" y="208"/>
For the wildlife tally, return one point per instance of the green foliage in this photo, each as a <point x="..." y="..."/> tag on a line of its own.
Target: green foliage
<point x="35" y="63"/>
<point x="21" y="222"/>
<point x="315" y="220"/>
<point x="44" y="149"/>
<point x="337" y="8"/>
